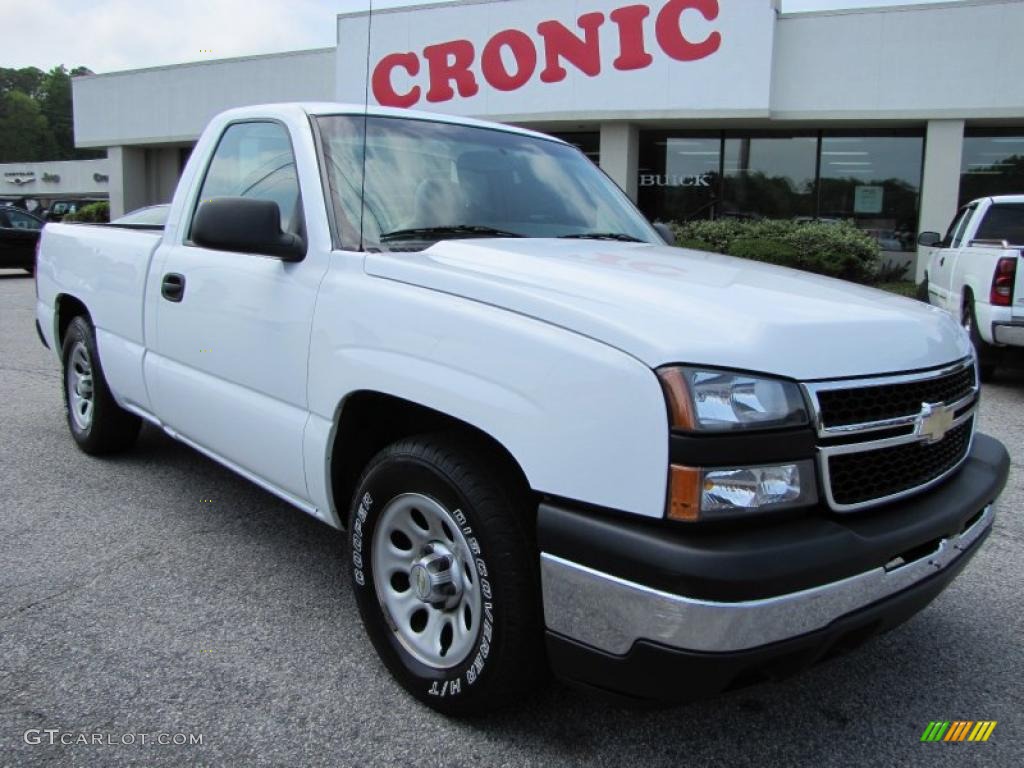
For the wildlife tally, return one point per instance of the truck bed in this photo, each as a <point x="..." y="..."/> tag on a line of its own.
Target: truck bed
<point x="104" y="268"/>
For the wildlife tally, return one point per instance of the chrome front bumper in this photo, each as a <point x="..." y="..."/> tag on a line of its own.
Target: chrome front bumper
<point x="610" y="614"/>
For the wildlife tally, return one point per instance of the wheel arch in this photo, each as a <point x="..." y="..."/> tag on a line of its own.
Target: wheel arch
<point x="368" y="420"/>
<point x="66" y="309"/>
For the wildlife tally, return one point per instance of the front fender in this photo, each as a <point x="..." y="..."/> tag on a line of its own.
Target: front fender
<point x="583" y="420"/>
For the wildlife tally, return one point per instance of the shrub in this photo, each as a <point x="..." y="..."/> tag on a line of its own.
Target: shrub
<point x="837" y="250"/>
<point x="695" y="245"/>
<point x="770" y="251"/>
<point x="94" y="213"/>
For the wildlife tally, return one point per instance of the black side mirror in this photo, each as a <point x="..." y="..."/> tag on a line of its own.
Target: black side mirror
<point x="929" y="239"/>
<point x="245" y="225"/>
<point x="666" y="232"/>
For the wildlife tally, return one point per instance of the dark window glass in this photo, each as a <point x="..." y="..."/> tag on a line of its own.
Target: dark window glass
<point x="993" y="164"/>
<point x="955" y="226"/>
<point x="679" y="175"/>
<point x="769" y="177"/>
<point x="961" y="227"/>
<point x="18" y="220"/>
<point x="587" y="142"/>
<point x="874" y="181"/>
<point x="255" y="160"/>
<point x="1003" y="222"/>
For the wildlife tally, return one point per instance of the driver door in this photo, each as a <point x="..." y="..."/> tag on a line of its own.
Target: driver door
<point x="943" y="262"/>
<point x="229" y="367"/>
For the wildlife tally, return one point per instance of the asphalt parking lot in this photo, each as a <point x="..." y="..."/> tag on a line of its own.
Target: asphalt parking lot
<point x="157" y="593"/>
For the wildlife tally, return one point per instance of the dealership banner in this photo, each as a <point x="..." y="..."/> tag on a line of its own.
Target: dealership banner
<point x="584" y="58"/>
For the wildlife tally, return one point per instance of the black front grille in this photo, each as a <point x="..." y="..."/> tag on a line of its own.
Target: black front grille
<point x="857" y="478"/>
<point x="861" y="405"/>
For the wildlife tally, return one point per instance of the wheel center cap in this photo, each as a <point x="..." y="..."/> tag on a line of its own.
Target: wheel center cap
<point x="434" y="577"/>
<point x="421" y="581"/>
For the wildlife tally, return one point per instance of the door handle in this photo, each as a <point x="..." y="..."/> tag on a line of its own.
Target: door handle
<point x="173" y="287"/>
<point x="942" y="261"/>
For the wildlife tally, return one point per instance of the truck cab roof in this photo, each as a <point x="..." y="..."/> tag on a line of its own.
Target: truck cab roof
<point x="325" y="108"/>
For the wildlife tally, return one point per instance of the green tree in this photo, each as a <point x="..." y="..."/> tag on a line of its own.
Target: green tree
<point x="56" y="104"/>
<point x="27" y="80"/>
<point x="25" y="136"/>
<point x="50" y="93"/>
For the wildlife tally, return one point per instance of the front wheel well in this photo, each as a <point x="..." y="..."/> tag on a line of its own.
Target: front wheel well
<point x="370" y="421"/>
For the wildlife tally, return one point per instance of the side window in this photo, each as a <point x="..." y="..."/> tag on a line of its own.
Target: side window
<point x="21" y="221"/>
<point x="255" y="160"/>
<point x="4" y="223"/>
<point x="958" y="221"/>
<point x="958" y="236"/>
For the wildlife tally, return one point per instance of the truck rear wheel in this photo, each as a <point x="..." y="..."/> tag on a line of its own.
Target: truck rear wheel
<point x="988" y="356"/>
<point x="98" y="424"/>
<point x="445" y="575"/>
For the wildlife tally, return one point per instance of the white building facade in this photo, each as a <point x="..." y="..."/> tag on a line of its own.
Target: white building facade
<point x="888" y="117"/>
<point x="42" y="183"/>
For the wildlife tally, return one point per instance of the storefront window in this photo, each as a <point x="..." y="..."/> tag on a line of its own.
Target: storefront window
<point x="872" y="180"/>
<point x="679" y="176"/>
<point x="993" y="163"/>
<point x="769" y="177"/>
<point x="588" y="142"/>
<point x="875" y="182"/>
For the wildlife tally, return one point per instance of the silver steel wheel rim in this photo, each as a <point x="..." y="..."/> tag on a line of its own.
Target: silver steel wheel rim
<point x="81" y="390"/>
<point x="435" y="612"/>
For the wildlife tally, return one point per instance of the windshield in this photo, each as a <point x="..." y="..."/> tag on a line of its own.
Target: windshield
<point x="427" y="181"/>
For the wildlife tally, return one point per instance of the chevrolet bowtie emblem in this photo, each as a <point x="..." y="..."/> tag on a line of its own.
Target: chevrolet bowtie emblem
<point x="934" y="421"/>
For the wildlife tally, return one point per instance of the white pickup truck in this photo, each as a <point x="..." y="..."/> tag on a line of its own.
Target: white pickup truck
<point x="976" y="272"/>
<point x="555" y="442"/>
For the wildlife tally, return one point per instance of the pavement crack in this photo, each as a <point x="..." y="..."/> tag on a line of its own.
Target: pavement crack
<point x="77" y="587"/>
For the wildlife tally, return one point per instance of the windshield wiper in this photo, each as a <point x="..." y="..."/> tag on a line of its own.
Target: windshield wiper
<point x="621" y="237"/>
<point x="440" y="233"/>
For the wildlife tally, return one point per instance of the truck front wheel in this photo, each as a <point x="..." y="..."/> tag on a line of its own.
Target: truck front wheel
<point x="445" y="575"/>
<point x="97" y="423"/>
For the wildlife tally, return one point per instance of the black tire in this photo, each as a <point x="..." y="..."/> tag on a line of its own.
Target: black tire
<point x="988" y="355"/>
<point x="922" y="291"/>
<point x="506" y="660"/>
<point x="108" y="428"/>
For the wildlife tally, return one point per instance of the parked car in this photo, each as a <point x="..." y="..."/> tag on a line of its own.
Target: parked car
<point x="19" y="237"/>
<point x="153" y="217"/>
<point x="61" y="208"/>
<point x="976" y="273"/>
<point x="552" y="439"/>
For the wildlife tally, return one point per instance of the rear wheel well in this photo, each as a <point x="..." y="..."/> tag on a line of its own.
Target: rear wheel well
<point x="371" y="421"/>
<point x="68" y="308"/>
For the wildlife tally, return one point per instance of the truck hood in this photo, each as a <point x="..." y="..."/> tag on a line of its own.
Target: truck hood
<point x="671" y="305"/>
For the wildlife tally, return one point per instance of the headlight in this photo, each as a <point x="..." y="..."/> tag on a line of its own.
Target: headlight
<point x="720" y="494"/>
<point x="720" y="401"/>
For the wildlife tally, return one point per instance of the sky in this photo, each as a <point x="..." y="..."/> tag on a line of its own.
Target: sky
<point x="111" y="35"/>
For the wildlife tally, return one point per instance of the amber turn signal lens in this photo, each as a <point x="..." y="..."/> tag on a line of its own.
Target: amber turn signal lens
<point x="677" y="395"/>
<point x="684" y="494"/>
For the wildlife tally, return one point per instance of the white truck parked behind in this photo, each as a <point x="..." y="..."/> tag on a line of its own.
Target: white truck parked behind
<point x="976" y="273"/>
<point x="555" y="442"/>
